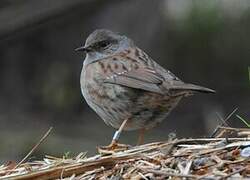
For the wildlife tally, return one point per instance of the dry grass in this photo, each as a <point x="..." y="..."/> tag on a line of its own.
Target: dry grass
<point x="216" y="158"/>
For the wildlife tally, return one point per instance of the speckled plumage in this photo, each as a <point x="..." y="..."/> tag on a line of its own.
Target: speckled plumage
<point x="119" y="81"/>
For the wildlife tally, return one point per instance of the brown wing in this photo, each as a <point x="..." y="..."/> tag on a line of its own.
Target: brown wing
<point x="138" y="71"/>
<point x="141" y="78"/>
<point x="147" y="74"/>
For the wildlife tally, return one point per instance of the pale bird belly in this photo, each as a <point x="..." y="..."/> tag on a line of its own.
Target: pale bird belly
<point x="115" y="103"/>
<point x="106" y="101"/>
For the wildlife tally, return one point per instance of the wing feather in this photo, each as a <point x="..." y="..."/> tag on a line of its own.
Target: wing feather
<point x="142" y="78"/>
<point x="148" y="75"/>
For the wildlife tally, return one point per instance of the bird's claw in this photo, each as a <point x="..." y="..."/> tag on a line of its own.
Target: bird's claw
<point x="112" y="148"/>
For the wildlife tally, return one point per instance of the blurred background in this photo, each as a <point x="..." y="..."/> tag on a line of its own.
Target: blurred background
<point x="203" y="42"/>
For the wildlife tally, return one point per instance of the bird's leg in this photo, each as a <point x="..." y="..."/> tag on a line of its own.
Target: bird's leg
<point x="114" y="143"/>
<point x="141" y="136"/>
<point x="117" y="134"/>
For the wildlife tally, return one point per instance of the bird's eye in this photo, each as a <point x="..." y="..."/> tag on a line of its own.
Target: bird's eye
<point x="103" y="44"/>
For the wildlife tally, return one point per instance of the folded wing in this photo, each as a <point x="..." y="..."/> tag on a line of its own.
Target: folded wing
<point x="142" y="78"/>
<point x="150" y="77"/>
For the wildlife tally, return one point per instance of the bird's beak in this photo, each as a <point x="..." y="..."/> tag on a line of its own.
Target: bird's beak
<point x="83" y="49"/>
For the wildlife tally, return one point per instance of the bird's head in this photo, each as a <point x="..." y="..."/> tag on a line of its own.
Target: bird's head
<point x="103" y="43"/>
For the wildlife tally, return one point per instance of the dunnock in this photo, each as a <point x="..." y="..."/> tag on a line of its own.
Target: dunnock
<point x="127" y="88"/>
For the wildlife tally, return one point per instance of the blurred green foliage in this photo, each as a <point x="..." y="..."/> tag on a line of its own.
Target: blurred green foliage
<point x="243" y="120"/>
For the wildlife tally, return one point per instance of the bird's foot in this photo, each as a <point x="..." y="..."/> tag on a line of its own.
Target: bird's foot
<point x="113" y="147"/>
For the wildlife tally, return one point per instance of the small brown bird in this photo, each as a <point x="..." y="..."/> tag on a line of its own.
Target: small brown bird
<point x="127" y="88"/>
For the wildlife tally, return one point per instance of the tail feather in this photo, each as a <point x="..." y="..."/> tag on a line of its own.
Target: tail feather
<point x="191" y="87"/>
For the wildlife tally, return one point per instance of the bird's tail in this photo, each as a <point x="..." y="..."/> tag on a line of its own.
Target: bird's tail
<point x="191" y="87"/>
